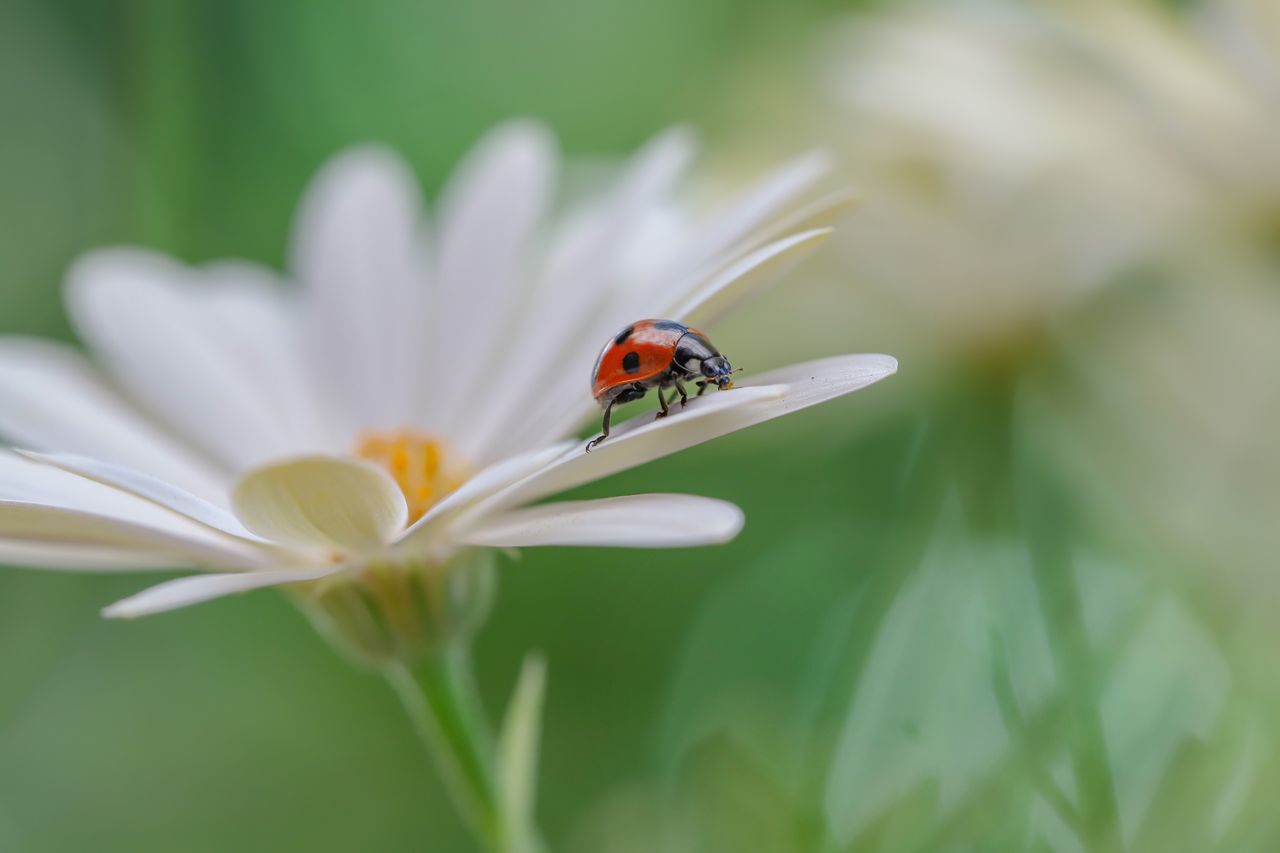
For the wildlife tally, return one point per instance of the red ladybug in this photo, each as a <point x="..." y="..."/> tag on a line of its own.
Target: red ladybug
<point x="655" y="354"/>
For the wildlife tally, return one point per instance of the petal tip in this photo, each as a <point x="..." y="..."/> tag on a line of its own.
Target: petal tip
<point x="731" y="525"/>
<point x="119" y="610"/>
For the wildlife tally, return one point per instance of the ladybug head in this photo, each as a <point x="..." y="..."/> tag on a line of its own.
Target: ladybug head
<point x="719" y="371"/>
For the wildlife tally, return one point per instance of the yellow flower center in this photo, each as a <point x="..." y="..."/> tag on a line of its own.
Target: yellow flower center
<point x="417" y="462"/>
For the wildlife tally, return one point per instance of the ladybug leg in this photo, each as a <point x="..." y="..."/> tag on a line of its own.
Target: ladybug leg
<point x="702" y="386"/>
<point x="666" y="410"/>
<point x="608" y="413"/>
<point x="684" y="395"/>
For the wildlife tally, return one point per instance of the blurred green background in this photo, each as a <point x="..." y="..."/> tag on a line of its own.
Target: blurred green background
<point x="1020" y="597"/>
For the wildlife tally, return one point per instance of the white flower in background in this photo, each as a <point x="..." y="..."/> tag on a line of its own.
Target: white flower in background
<point x="1081" y="198"/>
<point x="407" y="400"/>
<point x="1205" y="82"/>
<point x="1018" y="159"/>
<point x="1011" y="180"/>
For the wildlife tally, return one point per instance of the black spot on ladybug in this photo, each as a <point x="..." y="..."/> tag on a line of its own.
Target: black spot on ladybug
<point x="623" y="335"/>
<point x="631" y="362"/>
<point x="670" y="326"/>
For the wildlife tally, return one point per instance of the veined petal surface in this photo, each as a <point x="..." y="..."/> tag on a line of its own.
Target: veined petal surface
<point x="321" y="500"/>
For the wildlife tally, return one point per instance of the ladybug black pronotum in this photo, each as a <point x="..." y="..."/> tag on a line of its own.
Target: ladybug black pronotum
<point x="655" y="354"/>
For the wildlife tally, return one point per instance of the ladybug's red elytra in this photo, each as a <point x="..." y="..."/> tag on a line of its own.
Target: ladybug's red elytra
<point x="655" y="354"/>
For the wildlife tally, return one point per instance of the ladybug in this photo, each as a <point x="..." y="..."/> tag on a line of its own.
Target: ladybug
<point x="655" y="354"/>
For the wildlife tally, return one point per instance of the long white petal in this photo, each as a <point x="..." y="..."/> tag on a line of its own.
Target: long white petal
<point x="359" y="252"/>
<point x="184" y="592"/>
<point x="321" y="500"/>
<point x="26" y="481"/>
<point x="54" y="399"/>
<point x="490" y="212"/>
<point x="642" y="439"/>
<point x="823" y="212"/>
<point x="755" y="207"/>
<point x="188" y="348"/>
<point x="40" y="524"/>
<point x="150" y="489"/>
<point x="747" y="277"/>
<point x="637" y="521"/>
<point x="80" y="559"/>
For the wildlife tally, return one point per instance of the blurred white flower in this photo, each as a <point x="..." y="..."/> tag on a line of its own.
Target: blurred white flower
<point x="1205" y="82"/>
<point x="1010" y="178"/>
<point x="1019" y="158"/>
<point x="408" y="400"/>
<point x="1077" y="201"/>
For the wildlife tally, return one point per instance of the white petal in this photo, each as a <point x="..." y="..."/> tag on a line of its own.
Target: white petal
<point x="29" y="482"/>
<point x="490" y="212"/>
<point x="643" y="439"/>
<point x="78" y="559"/>
<point x="637" y="521"/>
<point x="654" y="171"/>
<point x="579" y="290"/>
<point x="149" y="489"/>
<point x="823" y="212"/>
<point x="813" y="382"/>
<point x="189" y="347"/>
<point x="757" y="216"/>
<point x="184" y="592"/>
<point x="40" y="524"/>
<point x="360" y="254"/>
<point x="482" y="485"/>
<point x="54" y="399"/>
<point x="263" y="322"/>
<point x="321" y="500"/>
<point x="588" y="263"/>
<point x="747" y="277"/>
<point x="759" y="204"/>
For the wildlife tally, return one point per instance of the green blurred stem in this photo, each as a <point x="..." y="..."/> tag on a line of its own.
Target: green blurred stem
<point x="441" y="698"/>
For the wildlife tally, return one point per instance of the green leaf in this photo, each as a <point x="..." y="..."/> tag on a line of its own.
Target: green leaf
<point x="518" y="755"/>
<point x="926" y="711"/>
<point x="1167" y="687"/>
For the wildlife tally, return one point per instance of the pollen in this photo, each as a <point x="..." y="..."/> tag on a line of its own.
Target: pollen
<point x="419" y="463"/>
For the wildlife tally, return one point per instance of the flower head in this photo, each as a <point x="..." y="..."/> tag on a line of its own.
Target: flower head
<point x="391" y="414"/>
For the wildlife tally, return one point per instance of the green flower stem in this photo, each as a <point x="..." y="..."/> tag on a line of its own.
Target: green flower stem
<point x="440" y="696"/>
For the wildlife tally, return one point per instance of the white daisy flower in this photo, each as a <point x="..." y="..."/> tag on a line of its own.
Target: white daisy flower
<point x="394" y="413"/>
